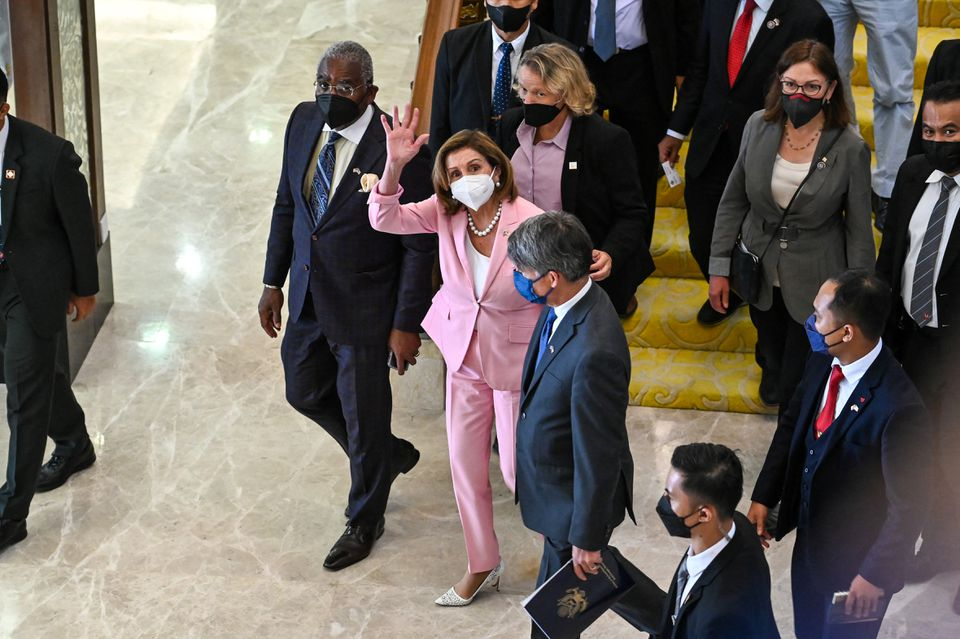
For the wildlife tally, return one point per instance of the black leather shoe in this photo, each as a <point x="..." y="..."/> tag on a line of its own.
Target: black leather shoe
<point x="12" y="531"/>
<point x="769" y="394"/>
<point x="927" y="564"/>
<point x="57" y="471"/>
<point x="404" y="462"/>
<point x="880" y="205"/>
<point x="354" y="545"/>
<point x="709" y="317"/>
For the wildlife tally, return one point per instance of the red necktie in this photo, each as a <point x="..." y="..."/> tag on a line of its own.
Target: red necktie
<point x="825" y="418"/>
<point x="738" y="43"/>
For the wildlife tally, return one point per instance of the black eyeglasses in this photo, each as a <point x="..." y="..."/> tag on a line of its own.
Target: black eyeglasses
<point x="341" y="88"/>
<point x="809" y="89"/>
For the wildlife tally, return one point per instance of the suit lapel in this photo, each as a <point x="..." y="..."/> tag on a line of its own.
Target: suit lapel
<point x="570" y="177"/>
<point x="11" y="174"/>
<point x="530" y="357"/>
<point x="917" y="186"/>
<point x="508" y="221"/>
<point x="767" y="148"/>
<point x="715" y="568"/>
<point x="821" y="165"/>
<point x="810" y="407"/>
<point x="772" y="25"/>
<point x="483" y="69"/>
<point x="726" y="29"/>
<point x="310" y="131"/>
<point x="858" y="401"/>
<point x="952" y="248"/>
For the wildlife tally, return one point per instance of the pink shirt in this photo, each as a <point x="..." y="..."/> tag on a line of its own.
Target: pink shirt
<point x="538" y="168"/>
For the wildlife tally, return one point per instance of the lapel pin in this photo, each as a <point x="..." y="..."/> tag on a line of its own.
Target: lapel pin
<point x="854" y="408"/>
<point x="506" y="233"/>
<point x="863" y="399"/>
<point x="572" y="166"/>
<point x="550" y="347"/>
<point x="10" y="174"/>
<point x="357" y="170"/>
<point x="773" y="24"/>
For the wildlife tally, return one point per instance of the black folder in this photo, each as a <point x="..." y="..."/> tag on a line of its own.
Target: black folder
<point x="564" y="606"/>
<point x="837" y="612"/>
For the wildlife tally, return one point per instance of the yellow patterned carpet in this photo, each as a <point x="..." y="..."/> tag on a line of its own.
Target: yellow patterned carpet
<point x="676" y="362"/>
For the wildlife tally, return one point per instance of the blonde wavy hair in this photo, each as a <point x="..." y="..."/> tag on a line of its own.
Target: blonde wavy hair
<point x="563" y="73"/>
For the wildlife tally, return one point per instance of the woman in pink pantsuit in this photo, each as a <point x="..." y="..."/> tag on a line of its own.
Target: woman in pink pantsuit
<point x="480" y="323"/>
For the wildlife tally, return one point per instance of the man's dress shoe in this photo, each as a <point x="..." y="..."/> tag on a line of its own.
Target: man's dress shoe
<point x="57" y="471"/>
<point x="354" y="544"/>
<point x="12" y="531"/>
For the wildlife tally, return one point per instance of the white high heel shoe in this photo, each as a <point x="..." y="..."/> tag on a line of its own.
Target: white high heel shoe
<point x="451" y="598"/>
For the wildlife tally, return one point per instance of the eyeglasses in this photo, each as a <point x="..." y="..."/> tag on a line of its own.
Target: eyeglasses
<point x="809" y="89"/>
<point x="341" y="88"/>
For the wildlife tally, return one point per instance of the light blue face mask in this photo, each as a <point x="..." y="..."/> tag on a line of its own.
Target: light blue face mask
<point x="818" y="340"/>
<point x="524" y="286"/>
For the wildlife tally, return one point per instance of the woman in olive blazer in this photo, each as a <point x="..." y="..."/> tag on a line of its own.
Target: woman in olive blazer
<point x="826" y="230"/>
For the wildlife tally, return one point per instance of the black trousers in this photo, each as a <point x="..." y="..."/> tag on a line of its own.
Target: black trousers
<point x="346" y="390"/>
<point x="782" y="346"/>
<point x="933" y="366"/>
<point x="39" y="399"/>
<point x="810" y="604"/>
<point x="702" y="195"/>
<point x="626" y="87"/>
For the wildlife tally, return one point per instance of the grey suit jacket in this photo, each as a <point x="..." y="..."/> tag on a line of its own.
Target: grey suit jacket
<point x="829" y="222"/>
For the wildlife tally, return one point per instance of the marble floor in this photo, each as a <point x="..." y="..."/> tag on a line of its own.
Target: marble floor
<point x="213" y="503"/>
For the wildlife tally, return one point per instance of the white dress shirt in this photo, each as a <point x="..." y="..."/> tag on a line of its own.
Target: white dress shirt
<point x="631" y="29"/>
<point x="564" y="308"/>
<point x="852" y="374"/>
<point x="517" y="43"/>
<point x="479" y="266"/>
<point x="918" y="228"/>
<point x="698" y="564"/>
<point x="345" y="147"/>
<point x="759" y="18"/>
<point x="4" y="134"/>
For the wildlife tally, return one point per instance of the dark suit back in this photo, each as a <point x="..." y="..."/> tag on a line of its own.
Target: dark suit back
<point x="574" y="467"/>
<point x="860" y="493"/>
<point x="944" y="65"/>
<point x="362" y="282"/>
<point x="707" y="104"/>
<point x="731" y="599"/>
<point x="671" y="26"/>
<point x="50" y="241"/>
<point x="603" y="190"/>
<point x="461" y="84"/>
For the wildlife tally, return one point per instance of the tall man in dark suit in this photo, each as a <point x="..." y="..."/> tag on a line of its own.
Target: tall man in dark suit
<point x="739" y="46"/>
<point x="574" y="468"/>
<point x="636" y="52"/>
<point x="48" y="269"/>
<point x="476" y="66"/>
<point x="849" y="464"/>
<point x="918" y="258"/>
<point x="721" y="589"/>
<point x="355" y="294"/>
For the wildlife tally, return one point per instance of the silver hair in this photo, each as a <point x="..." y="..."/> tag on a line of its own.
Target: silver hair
<point x="552" y="241"/>
<point x="350" y="51"/>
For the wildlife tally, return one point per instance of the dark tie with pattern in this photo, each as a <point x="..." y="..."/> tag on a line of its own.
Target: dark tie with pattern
<point x="545" y="334"/>
<point x="501" y="90"/>
<point x="682" y="577"/>
<point x="323" y="177"/>
<point x="605" y="29"/>
<point x="921" y="300"/>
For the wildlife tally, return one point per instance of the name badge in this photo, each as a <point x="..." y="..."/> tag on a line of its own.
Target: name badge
<point x="572" y="166"/>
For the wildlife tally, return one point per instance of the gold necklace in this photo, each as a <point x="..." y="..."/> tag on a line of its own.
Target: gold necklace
<point x="801" y="148"/>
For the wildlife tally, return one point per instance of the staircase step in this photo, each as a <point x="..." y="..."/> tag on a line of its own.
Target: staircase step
<point x="702" y="380"/>
<point x="666" y="318"/>
<point x="863" y="98"/>
<point x="670" y="247"/>
<point x="939" y="13"/>
<point x="927" y="40"/>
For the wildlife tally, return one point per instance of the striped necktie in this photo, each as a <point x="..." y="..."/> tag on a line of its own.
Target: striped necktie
<point x="921" y="301"/>
<point x="323" y="177"/>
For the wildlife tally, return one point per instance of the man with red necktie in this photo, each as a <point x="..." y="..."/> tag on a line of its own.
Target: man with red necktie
<point x="727" y="81"/>
<point x="849" y="464"/>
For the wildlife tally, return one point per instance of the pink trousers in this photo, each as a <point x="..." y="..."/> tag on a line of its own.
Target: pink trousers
<point x="472" y="406"/>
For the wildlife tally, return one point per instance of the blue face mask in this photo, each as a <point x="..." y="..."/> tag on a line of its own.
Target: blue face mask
<point x="524" y="286"/>
<point x="818" y="340"/>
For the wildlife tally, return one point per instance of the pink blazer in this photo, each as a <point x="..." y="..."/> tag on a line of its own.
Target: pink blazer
<point x="504" y="321"/>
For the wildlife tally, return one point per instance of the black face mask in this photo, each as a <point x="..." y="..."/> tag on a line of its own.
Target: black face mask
<point x="536" y="115"/>
<point x="943" y="156"/>
<point x="672" y="521"/>
<point x="337" y="110"/>
<point x="801" y="109"/>
<point x="508" y="19"/>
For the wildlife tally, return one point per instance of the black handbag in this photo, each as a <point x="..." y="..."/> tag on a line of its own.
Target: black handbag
<point x="746" y="268"/>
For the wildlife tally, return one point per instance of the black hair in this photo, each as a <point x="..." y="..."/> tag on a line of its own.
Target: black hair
<point x="4" y="86"/>
<point x="943" y="91"/>
<point x="861" y="299"/>
<point x="712" y="473"/>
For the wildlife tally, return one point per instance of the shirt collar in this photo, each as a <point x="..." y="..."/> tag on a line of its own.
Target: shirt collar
<point x="527" y="133"/>
<point x="354" y="132"/>
<point x="696" y="564"/>
<point x="516" y="42"/>
<point x="564" y="308"/>
<point x="854" y="371"/>
<point x="935" y="177"/>
<point x="764" y="4"/>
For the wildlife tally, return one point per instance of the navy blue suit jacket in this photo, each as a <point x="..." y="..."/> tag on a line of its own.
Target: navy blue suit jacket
<point x="363" y="282"/>
<point x="867" y="496"/>
<point x="574" y="468"/>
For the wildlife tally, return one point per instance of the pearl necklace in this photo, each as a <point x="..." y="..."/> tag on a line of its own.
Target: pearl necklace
<point x="801" y="148"/>
<point x="489" y="229"/>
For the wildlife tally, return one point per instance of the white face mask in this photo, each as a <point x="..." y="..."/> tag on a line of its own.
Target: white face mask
<point x="473" y="191"/>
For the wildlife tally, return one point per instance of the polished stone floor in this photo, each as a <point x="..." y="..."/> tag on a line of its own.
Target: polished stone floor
<point x="213" y="503"/>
